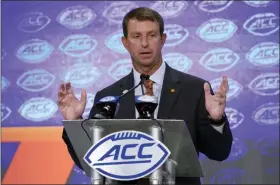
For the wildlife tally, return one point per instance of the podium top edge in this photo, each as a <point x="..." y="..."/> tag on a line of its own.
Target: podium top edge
<point x="174" y="120"/>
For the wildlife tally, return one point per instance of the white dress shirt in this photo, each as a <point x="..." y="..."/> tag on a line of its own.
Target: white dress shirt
<point x="157" y="78"/>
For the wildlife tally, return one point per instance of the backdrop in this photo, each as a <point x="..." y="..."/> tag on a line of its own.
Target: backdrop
<point x="47" y="43"/>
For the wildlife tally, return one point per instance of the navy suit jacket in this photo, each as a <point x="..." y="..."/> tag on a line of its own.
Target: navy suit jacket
<point x="186" y="103"/>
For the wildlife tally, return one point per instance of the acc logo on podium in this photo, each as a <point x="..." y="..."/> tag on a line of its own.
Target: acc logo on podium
<point x="127" y="155"/>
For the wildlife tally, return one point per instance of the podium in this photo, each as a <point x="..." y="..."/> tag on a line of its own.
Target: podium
<point x="182" y="161"/>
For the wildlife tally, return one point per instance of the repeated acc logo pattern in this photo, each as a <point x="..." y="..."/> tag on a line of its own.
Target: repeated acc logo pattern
<point x="219" y="59"/>
<point x="33" y="22"/>
<point x="76" y="17"/>
<point x="264" y="54"/>
<point x="215" y="30"/>
<point x="262" y="24"/>
<point x="117" y="10"/>
<point x="170" y="9"/>
<point x="34" y="51"/>
<point x="213" y="6"/>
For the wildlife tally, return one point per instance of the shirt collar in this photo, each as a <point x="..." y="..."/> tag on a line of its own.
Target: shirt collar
<point x="157" y="77"/>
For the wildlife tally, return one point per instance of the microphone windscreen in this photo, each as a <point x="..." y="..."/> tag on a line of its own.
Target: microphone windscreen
<point x="144" y="77"/>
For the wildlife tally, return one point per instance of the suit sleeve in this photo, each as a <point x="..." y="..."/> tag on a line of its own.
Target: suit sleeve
<point x="212" y="143"/>
<point x="68" y="142"/>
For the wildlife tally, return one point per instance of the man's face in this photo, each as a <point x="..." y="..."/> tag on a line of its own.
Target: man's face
<point x="144" y="42"/>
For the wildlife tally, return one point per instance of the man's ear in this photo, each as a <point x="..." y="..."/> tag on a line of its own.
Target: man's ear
<point x="124" y="41"/>
<point x="163" y="39"/>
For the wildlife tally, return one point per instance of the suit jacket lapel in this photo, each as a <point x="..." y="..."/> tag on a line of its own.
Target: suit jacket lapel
<point x="169" y="92"/>
<point x="127" y="103"/>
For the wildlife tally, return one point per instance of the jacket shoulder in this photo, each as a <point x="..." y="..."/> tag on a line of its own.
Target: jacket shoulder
<point x="190" y="79"/>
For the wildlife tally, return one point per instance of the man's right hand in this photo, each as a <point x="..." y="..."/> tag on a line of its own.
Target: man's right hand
<point x="70" y="107"/>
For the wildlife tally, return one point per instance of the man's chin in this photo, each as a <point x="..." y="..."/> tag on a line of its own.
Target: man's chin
<point x="147" y="63"/>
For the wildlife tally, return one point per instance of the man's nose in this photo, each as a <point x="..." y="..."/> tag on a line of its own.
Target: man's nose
<point x="144" y="42"/>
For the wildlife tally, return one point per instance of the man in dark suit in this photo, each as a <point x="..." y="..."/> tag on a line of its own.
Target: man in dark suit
<point x="181" y="96"/>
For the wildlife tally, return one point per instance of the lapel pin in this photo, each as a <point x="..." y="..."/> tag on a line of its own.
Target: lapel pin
<point x="172" y="90"/>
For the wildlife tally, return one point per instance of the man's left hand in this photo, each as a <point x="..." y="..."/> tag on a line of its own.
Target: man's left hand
<point x="215" y="104"/>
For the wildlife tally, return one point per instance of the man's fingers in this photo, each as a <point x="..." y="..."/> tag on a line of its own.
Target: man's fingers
<point x="224" y="85"/>
<point x="62" y="87"/>
<point x="220" y="94"/>
<point x="221" y="101"/>
<point x="207" y="89"/>
<point x="61" y="92"/>
<point x="84" y="96"/>
<point x="69" y="88"/>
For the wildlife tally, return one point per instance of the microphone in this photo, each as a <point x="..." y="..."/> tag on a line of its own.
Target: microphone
<point x="108" y="106"/>
<point x="144" y="77"/>
<point x="146" y="106"/>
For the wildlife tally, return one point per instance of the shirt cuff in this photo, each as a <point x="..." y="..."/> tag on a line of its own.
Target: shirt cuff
<point x="219" y="128"/>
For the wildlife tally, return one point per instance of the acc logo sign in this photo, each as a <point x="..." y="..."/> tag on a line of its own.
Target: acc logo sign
<point x="258" y="3"/>
<point x="267" y="114"/>
<point x="120" y="69"/>
<point x="234" y="87"/>
<point x="82" y="75"/>
<point x="170" y="9"/>
<point x="114" y="42"/>
<point x="33" y="22"/>
<point x="38" y="109"/>
<point x="34" y="51"/>
<point x="36" y="80"/>
<point x="176" y="34"/>
<point x="265" y="84"/>
<point x="216" y="30"/>
<point x="76" y="17"/>
<point x="117" y="10"/>
<point x="178" y="61"/>
<point x="213" y="6"/>
<point x="220" y="59"/>
<point x="127" y="155"/>
<point x="264" y="54"/>
<point x="78" y="45"/>
<point x="262" y="24"/>
<point x="5" y="112"/>
<point x="235" y="118"/>
<point x="4" y="83"/>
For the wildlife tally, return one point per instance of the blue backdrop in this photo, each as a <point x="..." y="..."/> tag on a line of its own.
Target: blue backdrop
<point x="47" y="43"/>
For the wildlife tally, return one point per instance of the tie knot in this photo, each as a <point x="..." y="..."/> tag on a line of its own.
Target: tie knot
<point x="148" y="84"/>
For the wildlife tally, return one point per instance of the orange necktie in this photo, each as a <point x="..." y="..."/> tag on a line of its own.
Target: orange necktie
<point x="149" y="87"/>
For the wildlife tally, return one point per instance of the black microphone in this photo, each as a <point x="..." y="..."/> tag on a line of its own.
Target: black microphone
<point x="108" y="106"/>
<point x="144" y="77"/>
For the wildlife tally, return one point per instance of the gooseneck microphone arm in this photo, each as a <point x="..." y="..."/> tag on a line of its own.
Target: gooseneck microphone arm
<point x="143" y="77"/>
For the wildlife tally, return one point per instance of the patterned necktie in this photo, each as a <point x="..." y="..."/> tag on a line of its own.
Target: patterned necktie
<point x="149" y="87"/>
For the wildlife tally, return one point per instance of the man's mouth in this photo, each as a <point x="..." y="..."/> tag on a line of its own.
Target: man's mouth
<point x="145" y="53"/>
